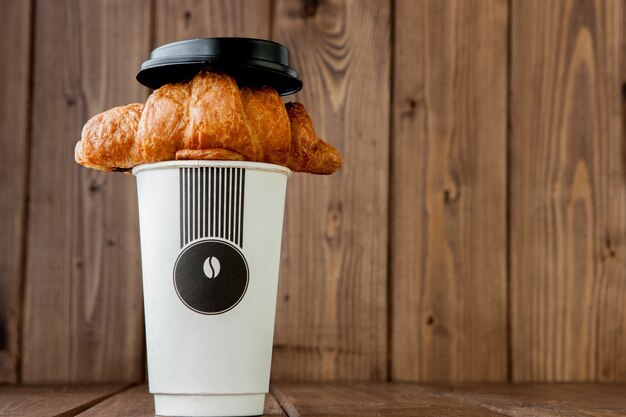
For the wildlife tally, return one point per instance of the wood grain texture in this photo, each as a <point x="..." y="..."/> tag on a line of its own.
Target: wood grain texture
<point x="178" y="20"/>
<point x="568" y="192"/>
<point x="331" y="314"/>
<point x="272" y="407"/>
<point x="83" y="306"/>
<point x="137" y="402"/>
<point x="24" y="401"/>
<point x="341" y="400"/>
<point x="539" y="400"/>
<point x="15" y="44"/>
<point x="448" y="191"/>
<point x="369" y="400"/>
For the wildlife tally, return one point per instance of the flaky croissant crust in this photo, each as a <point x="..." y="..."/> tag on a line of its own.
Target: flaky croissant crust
<point x="207" y="118"/>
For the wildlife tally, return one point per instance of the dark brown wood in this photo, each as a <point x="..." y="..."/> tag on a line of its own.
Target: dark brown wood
<point x="332" y="319"/>
<point x="448" y="191"/>
<point x="568" y="192"/>
<point x="531" y="400"/>
<point x="393" y="400"/>
<point x="137" y="402"/>
<point x="59" y="401"/>
<point x="82" y="312"/>
<point x="341" y="399"/>
<point x="8" y="367"/>
<point x="272" y="408"/>
<point x="83" y="305"/>
<point x="15" y="44"/>
<point x="178" y="20"/>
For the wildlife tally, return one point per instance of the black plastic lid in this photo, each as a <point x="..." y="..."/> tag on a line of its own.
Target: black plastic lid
<point x="253" y="62"/>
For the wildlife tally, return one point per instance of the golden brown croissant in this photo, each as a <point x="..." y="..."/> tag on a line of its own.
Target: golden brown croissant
<point x="209" y="117"/>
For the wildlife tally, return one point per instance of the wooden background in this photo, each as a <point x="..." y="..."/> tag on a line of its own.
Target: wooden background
<point x="476" y="232"/>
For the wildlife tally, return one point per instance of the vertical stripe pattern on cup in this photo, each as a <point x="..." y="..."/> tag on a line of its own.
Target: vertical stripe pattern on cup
<point x="211" y="203"/>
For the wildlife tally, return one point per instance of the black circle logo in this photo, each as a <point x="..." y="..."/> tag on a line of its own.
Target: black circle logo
<point x="211" y="276"/>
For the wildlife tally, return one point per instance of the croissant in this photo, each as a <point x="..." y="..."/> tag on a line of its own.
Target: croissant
<point x="207" y="118"/>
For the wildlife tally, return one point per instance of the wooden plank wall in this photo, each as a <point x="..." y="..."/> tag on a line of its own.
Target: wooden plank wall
<point x="82" y="303"/>
<point x="448" y="188"/>
<point x="476" y="231"/>
<point x="568" y="192"/>
<point x="14" y="118"/>
<point x="332" y="316"/>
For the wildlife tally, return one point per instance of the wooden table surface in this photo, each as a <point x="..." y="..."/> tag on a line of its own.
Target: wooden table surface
<point x="339" y="399"/>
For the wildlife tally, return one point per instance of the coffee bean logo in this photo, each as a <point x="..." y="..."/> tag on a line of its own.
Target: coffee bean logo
<point x="211" y="267"/>
<point x="211" y="276"/>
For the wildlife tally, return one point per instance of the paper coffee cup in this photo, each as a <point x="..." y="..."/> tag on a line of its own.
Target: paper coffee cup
<point x="210" y="248"/>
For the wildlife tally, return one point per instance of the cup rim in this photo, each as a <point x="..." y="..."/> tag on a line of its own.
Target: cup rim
<point x="256" y="166"/>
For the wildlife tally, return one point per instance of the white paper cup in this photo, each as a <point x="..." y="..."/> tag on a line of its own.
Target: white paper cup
<point x="210" y="248"/>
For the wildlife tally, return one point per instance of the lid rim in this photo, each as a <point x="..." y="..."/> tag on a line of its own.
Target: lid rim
<point x="205" y="58"/>
<point x="163" y="62"/>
